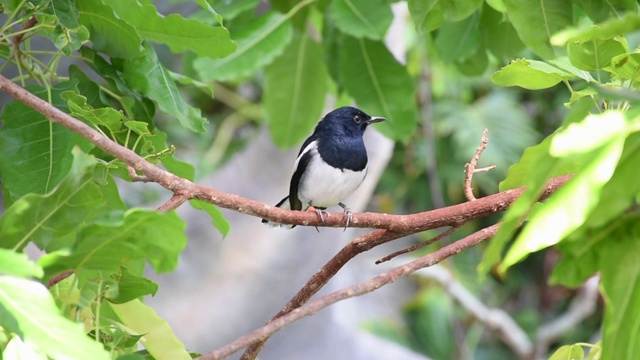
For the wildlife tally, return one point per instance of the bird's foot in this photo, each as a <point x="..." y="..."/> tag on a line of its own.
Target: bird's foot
<point x="318" y="212"/>
<point x="348" y="213"/>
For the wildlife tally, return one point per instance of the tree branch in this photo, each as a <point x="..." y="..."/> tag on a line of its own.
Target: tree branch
<point x="358" y="289"/>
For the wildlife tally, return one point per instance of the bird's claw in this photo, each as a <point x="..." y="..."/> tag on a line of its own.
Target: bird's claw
<point x="318" y="212"/>
<point x="348" y="213"/>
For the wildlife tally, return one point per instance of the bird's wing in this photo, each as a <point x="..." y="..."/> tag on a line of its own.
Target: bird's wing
<point x="299" y="168"/>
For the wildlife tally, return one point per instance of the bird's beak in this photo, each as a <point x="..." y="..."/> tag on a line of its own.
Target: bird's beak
<point x="376" y="119"/>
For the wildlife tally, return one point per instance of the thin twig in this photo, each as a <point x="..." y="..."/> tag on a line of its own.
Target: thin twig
<point x="470" y="168"/>
<point x="417" y="246"/>
<point x="173" y="203"/>
<point x="28" y="25"/>
<point x="352" y="291"/>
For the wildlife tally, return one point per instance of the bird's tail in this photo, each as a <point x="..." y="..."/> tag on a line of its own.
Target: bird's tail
<point x="283" y="204"/>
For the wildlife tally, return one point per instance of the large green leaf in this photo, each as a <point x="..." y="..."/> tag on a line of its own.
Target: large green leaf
<point x="362" y="18"/>
<point x="158" y="338"/>
<point x="614" y="26"/>
<point x="104" y="247"/>
<point x="147" y="75"/>
<point x="620" y="271"/>
<point x="18" y="264"/>
<point x="570" y="206"/>
<point x="457" y="41"/>
<point x="379" y="85"/>
<point x="595" y="54"/>
<point x="109" y="33"/>
<point x="530" y="74"/>
<point x="259" y="43"/>
<point x="130" y="287"/>
<point x="429" y="14"/>
<point x="35" y="153"/>
<point x="499" y="36"/>
<point x="537" y="20"/>
<point x="175" y="31"/>
<point x="45" y="218"/>
<point x="295" y="87"/>
<point x="38" y="322"/>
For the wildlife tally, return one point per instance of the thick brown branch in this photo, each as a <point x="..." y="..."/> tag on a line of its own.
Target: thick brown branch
<point x="396" y="223"/>
<point x="354" y="290"/>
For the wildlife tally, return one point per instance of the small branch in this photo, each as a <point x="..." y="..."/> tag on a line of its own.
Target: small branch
<point x="419" y="245"/>
<point x="495" y="319"/>
<point x="358" y="289"/>
<point x="173" y="203"/>
<point x="470" y="168"/>
<point x="135" y="177"/>
<point x="28" y="25"/>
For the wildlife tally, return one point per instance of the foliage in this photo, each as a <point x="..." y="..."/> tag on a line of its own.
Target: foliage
<point x="60" y="191"/>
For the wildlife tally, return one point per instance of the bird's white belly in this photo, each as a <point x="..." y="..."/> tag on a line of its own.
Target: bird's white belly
<point x="326" y="186"/>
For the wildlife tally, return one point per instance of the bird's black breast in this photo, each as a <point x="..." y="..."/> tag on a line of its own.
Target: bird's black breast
<point x="343" y="152"/>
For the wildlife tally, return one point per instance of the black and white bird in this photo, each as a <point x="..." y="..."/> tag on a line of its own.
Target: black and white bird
<point x="331" y="164"/>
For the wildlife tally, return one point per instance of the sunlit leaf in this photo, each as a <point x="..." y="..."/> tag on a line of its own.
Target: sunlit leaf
<point x="18" y="264"/>
<point x="530" y="74"/>
<point x="178" y="33"/>
<point x="595" y="54"/>
<point x="217" y="217"/>
<point x="40" y="323"/>
<point x="362" y="18"/>
<point x="158" y="338"/>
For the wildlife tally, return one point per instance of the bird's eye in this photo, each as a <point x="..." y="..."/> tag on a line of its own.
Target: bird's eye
<point x="357" y="119"/>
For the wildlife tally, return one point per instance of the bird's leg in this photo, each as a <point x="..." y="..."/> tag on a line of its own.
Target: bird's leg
<point x="318" y="212"/>
<point x="347" y="212"/>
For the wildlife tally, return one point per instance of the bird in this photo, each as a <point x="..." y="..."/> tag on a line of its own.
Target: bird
<point x="331" y="164"/>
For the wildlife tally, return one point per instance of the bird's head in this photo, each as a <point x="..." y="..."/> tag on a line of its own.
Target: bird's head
<point x="348" y="120"/>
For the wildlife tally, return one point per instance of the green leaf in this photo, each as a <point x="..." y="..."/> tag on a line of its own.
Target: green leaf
<point x="426" y="15"/>
<point x="570" y="206"/>
<point x="627" y="23"/>
<point x="295" y="87"/>
<point x="185" y="80"/>
<point x="520" y="173"/>
<point x="65" y="11"/>
<point x="626" y="66"/>
<point x="43" y="218"/>
<point x="64" y="38"/>
<point x="457" y="41"/>
<point x="148" y="76"/>
<point x="568" y="352"/>
<point x="362" y="18"/>
<point x="178" y="33"/>
<point x="530" y="74"/>
<point x="217" y="218"/>
<point x="593" y="132"/>
<point x="18" y="264"/>
<point x="131" y="287"/>
<point x="231" y="9"/>
<point x="259" y="43"/>
<point x="35" y="152"/>
<point x="109" y="33"/>
<point x="379" y="85"/>
<point x="595" y="54"/>
<point x="108" y="117"/>
<point x="498" y="35"/>
<point x="582" y="251"/>
<point x="158" y="338"/>
<point x="537" y="20"/>
<point x="157" y="237"/>
<point x="620" y="270"/>
<point x="429" y="14"/>
<point x="40" y="323"/>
